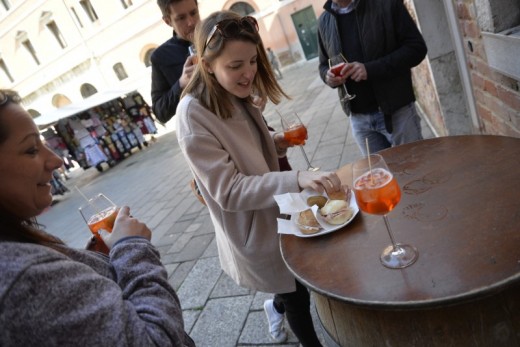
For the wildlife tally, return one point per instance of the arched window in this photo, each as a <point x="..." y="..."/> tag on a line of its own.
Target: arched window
<point x="87" y="90"/>
<point x="120" y="71"/>
<point x="33" y="113"/>
<point x="147" y="57"/>
<point x="242" y="8"/>
<point x="60" y="100"/>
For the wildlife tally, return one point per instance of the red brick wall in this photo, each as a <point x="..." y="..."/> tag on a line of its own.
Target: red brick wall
<point x="497" y="96"/>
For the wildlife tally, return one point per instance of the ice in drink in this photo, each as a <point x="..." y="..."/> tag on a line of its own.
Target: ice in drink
<point x="296" y="135"/>
<point x="377" y="192"/>
<point x="103" y="220"/>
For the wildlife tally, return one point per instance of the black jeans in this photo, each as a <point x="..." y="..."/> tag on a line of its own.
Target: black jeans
<point x="297" y="308"/>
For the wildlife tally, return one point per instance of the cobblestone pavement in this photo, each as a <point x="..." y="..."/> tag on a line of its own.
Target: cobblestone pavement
<point x="154" y="183"/>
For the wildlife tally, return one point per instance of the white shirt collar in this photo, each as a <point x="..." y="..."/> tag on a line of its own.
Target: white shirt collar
<point x="343" y="10"/>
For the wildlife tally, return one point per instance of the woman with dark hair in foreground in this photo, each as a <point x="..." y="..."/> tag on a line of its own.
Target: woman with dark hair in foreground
<point x="54" y="295"/>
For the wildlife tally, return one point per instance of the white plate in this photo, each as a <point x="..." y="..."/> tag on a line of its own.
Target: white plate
<point x="326" y="227"/>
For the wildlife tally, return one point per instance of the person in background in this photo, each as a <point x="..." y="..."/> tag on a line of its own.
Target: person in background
<point x="54" y="295"/>
<point x="381" y="42"/>
<point x="234" y="157"/>
<point x="172" y="64"/>
<point x="274" y="62"/>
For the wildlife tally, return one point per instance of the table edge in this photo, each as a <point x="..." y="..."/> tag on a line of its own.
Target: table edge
<point x="439" y="302"/>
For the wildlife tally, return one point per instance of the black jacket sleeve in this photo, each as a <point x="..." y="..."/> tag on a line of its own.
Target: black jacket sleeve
<point x="167" y="66"/>
<point x="165" y="97"/>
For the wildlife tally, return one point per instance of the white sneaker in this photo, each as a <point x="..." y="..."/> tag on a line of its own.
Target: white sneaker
<point x="275" y="321"/>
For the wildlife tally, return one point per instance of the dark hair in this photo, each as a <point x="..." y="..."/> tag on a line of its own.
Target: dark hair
<point x="7" y="97"/>
<point x="13" y="227"/>
<point x="164" y="5"/>
<point x="205" y="87"/>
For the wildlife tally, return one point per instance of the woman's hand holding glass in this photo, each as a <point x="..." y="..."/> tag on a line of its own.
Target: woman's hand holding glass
<point x="109" y="223"/>
<point x="281" y="143"/>
<point x="295" y="132"/>
<point x="126" y="226"/>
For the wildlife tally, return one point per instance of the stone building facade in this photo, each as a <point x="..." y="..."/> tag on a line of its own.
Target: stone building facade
<point x="56" y="52"/>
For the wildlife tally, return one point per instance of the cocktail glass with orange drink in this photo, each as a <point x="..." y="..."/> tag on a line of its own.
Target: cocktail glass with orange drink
<point x="295" y="133"/>
<point x="100" y="214"/>
<point x="336" y="64"/>
<point x="377" y="192"/>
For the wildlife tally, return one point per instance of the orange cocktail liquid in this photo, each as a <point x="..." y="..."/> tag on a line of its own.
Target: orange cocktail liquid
<point x="336" y="69"/>
<point x="296" y="135"/>
<point x="377" y="192"/>
<point x="103" y="220"/>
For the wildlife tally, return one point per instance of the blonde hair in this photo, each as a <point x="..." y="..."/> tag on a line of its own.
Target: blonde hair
<point x="205" y="87"/>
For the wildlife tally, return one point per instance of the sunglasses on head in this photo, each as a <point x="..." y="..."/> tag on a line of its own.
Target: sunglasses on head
<point x="6" y="96"/>
<point x="230" y="28"/>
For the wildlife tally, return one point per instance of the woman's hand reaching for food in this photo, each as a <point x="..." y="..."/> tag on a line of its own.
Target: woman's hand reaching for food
<point x="319" y="181"/>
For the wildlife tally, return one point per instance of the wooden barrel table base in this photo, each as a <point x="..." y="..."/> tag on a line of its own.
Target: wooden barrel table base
<point x="460" y="207"/>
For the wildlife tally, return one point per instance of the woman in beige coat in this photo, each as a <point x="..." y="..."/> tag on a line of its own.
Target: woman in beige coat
<point x="234" y="159"/>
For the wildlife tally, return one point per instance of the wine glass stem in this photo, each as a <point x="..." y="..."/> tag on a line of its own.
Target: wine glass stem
<point x="347" y="95"/>
<point x="394" y="244"/>
<point x="309" y="166"/>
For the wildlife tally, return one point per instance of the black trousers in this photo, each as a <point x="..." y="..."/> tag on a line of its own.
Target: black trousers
<point x="297" y="309"/>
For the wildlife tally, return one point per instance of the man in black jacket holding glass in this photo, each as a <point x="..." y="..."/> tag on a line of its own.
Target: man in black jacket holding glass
<point x="381" y="43"/>
<point x="172" y="64"/>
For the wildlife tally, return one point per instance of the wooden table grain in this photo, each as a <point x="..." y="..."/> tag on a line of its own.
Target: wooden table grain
<point x="460" y="208"/>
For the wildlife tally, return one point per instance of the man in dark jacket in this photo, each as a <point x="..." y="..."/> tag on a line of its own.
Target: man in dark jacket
<point x="381" y="42"/>
<point x="172" y="64"/>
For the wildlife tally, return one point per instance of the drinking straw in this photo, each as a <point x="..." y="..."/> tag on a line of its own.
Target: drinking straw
<point x="369" y="163"/>
<point x="81" y="193"/>
<point x="87" y="199"/>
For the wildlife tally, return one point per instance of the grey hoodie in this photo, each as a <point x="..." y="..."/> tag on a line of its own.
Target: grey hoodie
<point x="87" y="299"/>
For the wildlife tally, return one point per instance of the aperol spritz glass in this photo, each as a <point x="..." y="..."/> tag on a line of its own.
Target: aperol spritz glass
<point x="336" y="64"/>
<point x="377" y="192"/>
<point x="295" y="132"/>
<point x="99" y="213"/>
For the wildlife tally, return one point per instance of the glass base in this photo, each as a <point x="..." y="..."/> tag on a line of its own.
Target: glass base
<point x="400" y="257"/>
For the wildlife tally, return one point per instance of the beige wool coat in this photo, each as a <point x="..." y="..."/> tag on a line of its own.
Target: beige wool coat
<point x="236" y="166"/>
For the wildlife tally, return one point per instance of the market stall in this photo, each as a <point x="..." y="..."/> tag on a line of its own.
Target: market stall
<point x="103" y="128"/>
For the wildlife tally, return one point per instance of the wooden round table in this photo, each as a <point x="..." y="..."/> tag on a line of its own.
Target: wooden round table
<point x="460" y="207"/>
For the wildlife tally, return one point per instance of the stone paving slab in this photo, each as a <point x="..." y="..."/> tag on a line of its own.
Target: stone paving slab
<point x="221" y="321"/>
<point x="198" y="285"/>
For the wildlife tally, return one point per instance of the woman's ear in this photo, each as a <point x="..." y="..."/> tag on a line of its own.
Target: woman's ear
<point x="207" y="66"/>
